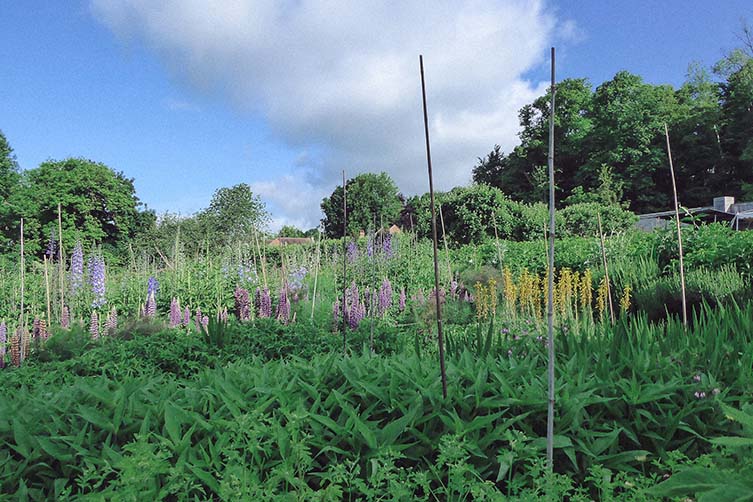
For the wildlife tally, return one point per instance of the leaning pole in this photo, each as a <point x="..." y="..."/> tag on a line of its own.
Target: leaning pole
<point x="550" y="298"/>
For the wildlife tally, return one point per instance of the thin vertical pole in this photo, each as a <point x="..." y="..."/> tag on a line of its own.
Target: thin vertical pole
<point x="440" y="338"/>
<point x="550" y="297"/>
<point x="444" y="240"/>
<point x="316" y="273"/>
<point x="61" y="265"/>
<point x="679" y="232"/>
<point x="345" y="260"/>
<point x="23" y="277"/>
<point x="47" y="290"/>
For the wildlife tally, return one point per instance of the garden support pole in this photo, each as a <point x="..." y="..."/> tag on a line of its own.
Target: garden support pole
<point x="550" y="295"/>
<point x="679" y="232"/>
<point x="440" y="338"/>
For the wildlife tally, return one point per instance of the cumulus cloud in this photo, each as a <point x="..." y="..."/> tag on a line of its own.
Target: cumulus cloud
<point x="341" y="79"/>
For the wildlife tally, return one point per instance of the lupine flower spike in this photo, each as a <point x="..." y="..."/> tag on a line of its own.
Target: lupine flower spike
<point x="3" y="340"/>
<point x="175" y="314"/>
<point x="94" y="325"/>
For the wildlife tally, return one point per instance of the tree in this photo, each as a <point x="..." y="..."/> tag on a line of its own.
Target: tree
<point x="9" y="178"/>
<point x="234" y="214"/>
<point x="98" y="204"/>
<point x="372" y="200"/>
<point x="290" y="231"/>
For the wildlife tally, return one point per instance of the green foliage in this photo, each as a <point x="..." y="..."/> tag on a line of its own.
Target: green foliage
<point x="234" y="215"/>
<point x="98" y="205"/>
<point x="373" y="200"/>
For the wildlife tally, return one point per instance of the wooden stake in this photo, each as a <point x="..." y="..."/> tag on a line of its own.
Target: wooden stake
<point x="47" y="290"/>
<point x="316" y="272"/>
<point x="679" y="231"/>
<point x="61" y="264"/>
<point x="496" y="240"/>
<point x="22" y="319"/>
<point x="345" y="259"/>
<point x="444" y="240"/>
<point x="440" y="338"/>
<point x="550" y="298"/>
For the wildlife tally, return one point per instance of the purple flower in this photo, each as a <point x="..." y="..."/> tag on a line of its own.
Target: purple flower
<point x="505" y="331"/>
<point x="295" y="286"/>
<point x="352" y="252"/>
<point x="264" y="303"/>
<point x="152" y="286"/>
<point x="336" y="312"/>
<point x="97" y="280"/>
<point x="52" y="247"/>
<point x="242" y="304"/>
<point x="65" y="318"/>
<point x="3" y="341"/>
<point x="356" y="314"/>
<point x="205" y="322"/>
<point x="111" y="324"/>
<point x="223" y="315"/>
<point x="186" y="317"/>
<point x="283" y="307"/>
<point x="77" y="269"/>
<point x="401" y="304"/>
<point x="94" y="325"/>
<point x="387" y="246"/>
<point x="198" y="319"/>
<point x="175" y="314"/>
<point x="697" y="378"/>
<point x="151" y="306"/>
<point x="385" y="297"/>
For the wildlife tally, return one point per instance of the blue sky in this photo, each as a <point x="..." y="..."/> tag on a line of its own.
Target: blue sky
<point x="283" y="95"/>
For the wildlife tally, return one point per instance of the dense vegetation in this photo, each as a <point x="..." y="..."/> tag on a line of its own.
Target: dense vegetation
<point x="184" y="358"/>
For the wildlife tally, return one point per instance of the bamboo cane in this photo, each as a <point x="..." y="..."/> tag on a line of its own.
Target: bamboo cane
<point x="440" y="338"/>
<point x="22" y="319"/>
<point x="550" y="299"/>
<point x="47" y="290"/>
<point x="61" y="263"/>
<point x="316" y="273"/>
<point x="345" y="259"/>
<point x="679" y="231"/>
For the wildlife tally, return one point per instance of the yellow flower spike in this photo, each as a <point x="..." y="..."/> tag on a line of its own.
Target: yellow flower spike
<point x="625" y="299"/>
<point x="601" y="297"/>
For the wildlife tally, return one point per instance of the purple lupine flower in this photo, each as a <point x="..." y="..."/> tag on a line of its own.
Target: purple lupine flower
<point x="35" y="333"/>
<point x="401" y="304"/>
<point x="205" y="322"/>
<point x="3" y="341"/>
<point x="76" y="278"/>
<point x="352" y="252"/>
<point x="356" y="315"/>
<point x="242" y="304"/>
<point x="175" y="315"/>
<point x="97" y="280"/>
<point x="283" y="307"/>
<point x="151" y="306"/>
<point x="186" y="317"/>
<point x="265" y="303"/>
<point x="111" y="324"/>
<point x="52" y="247"/>
<point x="336" y="312"/>
<point x="199" y="319"/>
<point x="65" y="318"/>
<point x="94" y="325"/>
<point x="385" y="296"/>
<point x="367" y="296"/>
<point x="223" y="315"/>
<point x="387" y="245"/>
<point x="295" y="284"/>
<point x="152" y="286"/>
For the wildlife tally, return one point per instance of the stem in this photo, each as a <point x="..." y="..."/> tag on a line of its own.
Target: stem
<point x="550" y="299"/>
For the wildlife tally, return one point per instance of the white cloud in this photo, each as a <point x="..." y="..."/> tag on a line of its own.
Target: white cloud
<point x="341" y="79"/>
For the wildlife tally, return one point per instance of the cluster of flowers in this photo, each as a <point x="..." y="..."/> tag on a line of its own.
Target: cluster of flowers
<point x="386" y="248"/>
<point x="110" y="325"/>
<point x="262" y="304"/>
<point x="354" y="309"/>
<point x="295" y="287"/>
<point x="701" y="394"/>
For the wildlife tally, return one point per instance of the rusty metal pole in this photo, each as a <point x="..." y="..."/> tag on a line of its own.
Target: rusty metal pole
<point x="440" y="338"/>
